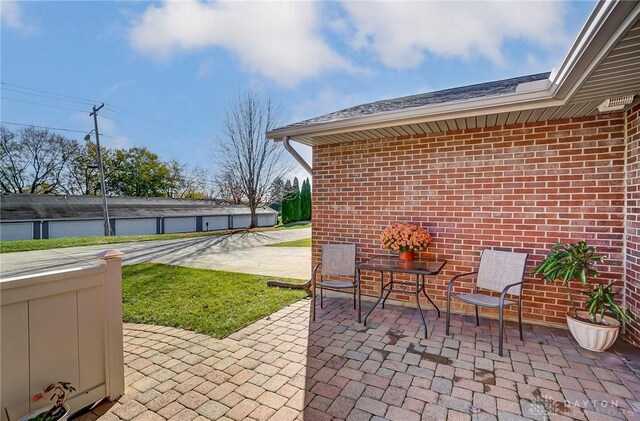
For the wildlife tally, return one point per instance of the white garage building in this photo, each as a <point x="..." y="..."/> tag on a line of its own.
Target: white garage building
<point x="24" y="217"/>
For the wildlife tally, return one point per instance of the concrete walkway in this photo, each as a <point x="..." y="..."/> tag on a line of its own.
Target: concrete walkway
<point x="239" y="252"/>
<point x="283" y="368"/>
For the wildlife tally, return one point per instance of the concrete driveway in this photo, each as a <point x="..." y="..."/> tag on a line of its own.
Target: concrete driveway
<point x="239" y="252"/>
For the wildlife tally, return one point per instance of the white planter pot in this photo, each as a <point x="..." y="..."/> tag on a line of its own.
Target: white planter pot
<point x="594" y="337"/>
<point x="37" y="412"/>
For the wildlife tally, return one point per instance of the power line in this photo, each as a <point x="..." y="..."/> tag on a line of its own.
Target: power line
<point x="130" y="114"/>
<point x="83" y="111"/>
<point x="43" y="127"/>
<point x="59" y="129"/>
<point x="42" y="104"/>
<point x="85" y="101"/>
<point x="49" y="92"/>
<point x="101" y="134"/>
<point x="140" y="127"/>
<point x="21" y="91"/>
<point x="179" y="133"/>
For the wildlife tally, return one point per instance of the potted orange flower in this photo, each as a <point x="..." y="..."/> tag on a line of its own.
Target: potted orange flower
<point x="405" y="239"/>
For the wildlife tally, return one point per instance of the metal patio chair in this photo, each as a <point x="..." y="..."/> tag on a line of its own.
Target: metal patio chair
<point x="499" y="271"/>
<point x="337" y="260"/>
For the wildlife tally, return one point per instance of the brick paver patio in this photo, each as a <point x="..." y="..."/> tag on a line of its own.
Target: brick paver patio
<point x="281" y="368"/>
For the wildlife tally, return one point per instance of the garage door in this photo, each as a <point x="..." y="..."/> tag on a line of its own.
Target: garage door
<point x="215" y="223"/>
<point x="241" y="221"/>
<point x="61" y="229"/>
<point x="11" y="231"/>
<point x="267" y="220"/>
<point x="140" y="226"/>
<point x="187" y="224"/>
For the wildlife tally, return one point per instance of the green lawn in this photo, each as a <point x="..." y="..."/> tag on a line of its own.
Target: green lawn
<point x="212" y="302"/>
<point x="305" y="242"/>
<point x="56" y="243"/>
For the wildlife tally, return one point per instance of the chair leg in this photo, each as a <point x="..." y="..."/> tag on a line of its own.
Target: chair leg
<point x="477" y="317"/>
<point x="354" y="297"/>
<point x="501" y="325"/>
<point x="520" y="320"/>
<point x="313" y="302"/>
<point x="321" y="297"/>
<point x="448" y="318"/>
<point x="359" y="298"/>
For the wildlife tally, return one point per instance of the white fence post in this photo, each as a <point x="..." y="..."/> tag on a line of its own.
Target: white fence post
<point x="113" y="320"/>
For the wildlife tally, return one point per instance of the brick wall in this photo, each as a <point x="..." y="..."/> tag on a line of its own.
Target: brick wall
<point x="632" y="287"/>
<point x="517" y="187"/>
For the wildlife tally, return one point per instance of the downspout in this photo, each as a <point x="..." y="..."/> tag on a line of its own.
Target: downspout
<point x="296" y="155"/>
<point x="625" y="215"/>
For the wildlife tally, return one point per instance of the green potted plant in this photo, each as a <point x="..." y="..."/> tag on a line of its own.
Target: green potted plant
<point x="57" y="393"/>
<point x="592" y="328"/>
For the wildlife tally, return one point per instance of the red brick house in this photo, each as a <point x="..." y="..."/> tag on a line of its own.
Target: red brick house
<point x="516" y="164"/>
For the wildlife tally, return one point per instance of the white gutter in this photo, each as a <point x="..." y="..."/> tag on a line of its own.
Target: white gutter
<point x="609" y="21"/>
<point x="460" y="109"/>
<point x="296" y="155"/>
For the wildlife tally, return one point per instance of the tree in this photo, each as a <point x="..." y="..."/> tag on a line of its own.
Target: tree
<point x="305" y="200"/>
<point x="227" y="189"/>
<point x="186" y="183"/>
<point x="247" y="156"/>
<point x="286" y="203"/>
<point x="34" y="160"/>
<point x="81" y="177"/>
<point x="309" y="200"/>
<point x="296" y="214"/>
<point x="276" y="192"/>
<point x="138" y="172"/>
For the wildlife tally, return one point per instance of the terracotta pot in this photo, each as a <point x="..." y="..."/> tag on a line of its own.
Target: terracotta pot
<point x="407" y="256"/>
<point x="594" y="337"/>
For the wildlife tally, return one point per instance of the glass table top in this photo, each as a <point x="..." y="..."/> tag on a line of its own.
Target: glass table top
<point x="391" y="263"/>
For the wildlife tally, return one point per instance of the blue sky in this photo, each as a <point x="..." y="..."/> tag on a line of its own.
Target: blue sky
<point x="168" y="71"/>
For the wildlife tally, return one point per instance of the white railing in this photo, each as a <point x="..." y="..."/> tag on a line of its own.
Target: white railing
<point x="62" y="326"/>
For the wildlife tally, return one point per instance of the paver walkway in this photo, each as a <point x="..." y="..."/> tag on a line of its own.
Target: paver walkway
<point x="281" y="368"/>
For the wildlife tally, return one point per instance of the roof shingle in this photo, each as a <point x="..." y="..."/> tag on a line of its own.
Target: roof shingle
<point x="28" y="207"/>
<point x="482" y="90"/>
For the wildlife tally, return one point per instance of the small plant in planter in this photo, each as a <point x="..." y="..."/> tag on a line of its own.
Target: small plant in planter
<point x="591" y="327"/>
<point x="57" y="393"/>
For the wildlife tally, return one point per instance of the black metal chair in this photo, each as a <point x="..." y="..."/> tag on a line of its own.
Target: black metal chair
<point x="499" y="271"/>
<point x="338" y="260"/>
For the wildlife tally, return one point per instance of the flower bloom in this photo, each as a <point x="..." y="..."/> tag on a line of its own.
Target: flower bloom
<point x="403" y="236"/>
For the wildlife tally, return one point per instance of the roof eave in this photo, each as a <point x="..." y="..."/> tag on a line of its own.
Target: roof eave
<point x="458" y="109"/>
<point x="606" y="24"/>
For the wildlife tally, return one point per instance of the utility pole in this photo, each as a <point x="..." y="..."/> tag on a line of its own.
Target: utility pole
<point x="105" y="209"/>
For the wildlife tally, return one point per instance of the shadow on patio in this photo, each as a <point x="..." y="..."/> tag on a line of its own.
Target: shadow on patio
<point x="284" y="368"/>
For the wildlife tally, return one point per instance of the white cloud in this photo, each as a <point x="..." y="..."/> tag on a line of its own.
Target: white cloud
<point x="119" y="86"/>
<point x="11" y="17"/>
<point x="401" y="34"/>
<point x="278" y="40"/>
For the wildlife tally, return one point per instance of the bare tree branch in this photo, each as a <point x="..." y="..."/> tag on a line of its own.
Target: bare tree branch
<point x="33" y="160"/>
<point x="249" y="162"/>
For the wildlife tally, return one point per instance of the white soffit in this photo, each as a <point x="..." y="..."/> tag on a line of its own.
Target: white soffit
<point x="618" y="74"/>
